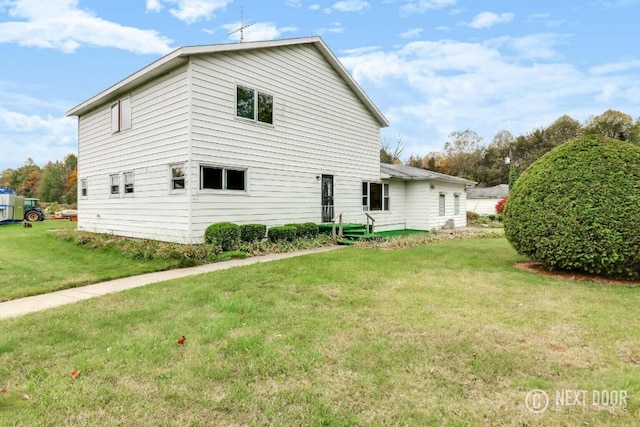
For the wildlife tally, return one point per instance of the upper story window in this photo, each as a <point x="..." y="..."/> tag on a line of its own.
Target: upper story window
<point x="121" y="115"/>
<point x="375" y="196"/>
<point x="83" y="187"/>
<point x="254" y="105"/>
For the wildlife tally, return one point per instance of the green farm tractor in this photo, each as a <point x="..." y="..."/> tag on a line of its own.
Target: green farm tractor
<point x="15" y="208"/>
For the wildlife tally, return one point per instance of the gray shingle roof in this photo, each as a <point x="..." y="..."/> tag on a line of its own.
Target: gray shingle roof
<point x="411" y="173"/>
<point x="497" y="192"/>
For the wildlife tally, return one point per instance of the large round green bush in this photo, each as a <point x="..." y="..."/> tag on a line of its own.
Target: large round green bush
<point x="578" y="208"/>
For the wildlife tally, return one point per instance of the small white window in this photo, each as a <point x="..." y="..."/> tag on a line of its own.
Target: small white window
<point x="177" y="177"/>
<point x="456" y="204"/>
<point x="83" y="187"/>
<point x="441" y="202"/>
<point x="121" y="115"/>
<point x="128" y="182"/>
<point x="115" y="183"/>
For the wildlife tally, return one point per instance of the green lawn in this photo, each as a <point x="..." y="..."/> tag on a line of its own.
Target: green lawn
<point x="445" y="334"/>
<point x="32" y="261"/>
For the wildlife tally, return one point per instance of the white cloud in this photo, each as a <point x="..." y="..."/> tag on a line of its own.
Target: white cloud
<point x="422" y="6"/>
<point x="336" y="29"/>
<point x="154" y="6"/>
<point x="41" y="138"/>
<point x="191" y="11"/>
<point x="293" y="3"/>
<point x="489" y="19"/>
<point x="444" y="29"/>
<point x="61" y="24"/>
<point x="431" y="88"/>
<point x="615" y="67"/>
<point x="257" y="32"/>
<point x="411" y="34"/>
<point x="351" y="6"/>
<point x="315" y="7"/>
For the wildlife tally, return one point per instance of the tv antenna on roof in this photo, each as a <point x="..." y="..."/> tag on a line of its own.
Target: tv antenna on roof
<point x="242" y="26"/>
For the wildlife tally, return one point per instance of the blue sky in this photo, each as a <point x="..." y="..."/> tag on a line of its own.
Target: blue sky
<point x="431" y="66"/>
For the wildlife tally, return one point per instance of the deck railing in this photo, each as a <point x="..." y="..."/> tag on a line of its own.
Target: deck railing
<point x="373" y="221"/>
<point x="334" y="234"/>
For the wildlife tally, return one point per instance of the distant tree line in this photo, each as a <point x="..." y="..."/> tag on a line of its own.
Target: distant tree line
<point x="55" y="182"/>
<point x="465" y="156"/>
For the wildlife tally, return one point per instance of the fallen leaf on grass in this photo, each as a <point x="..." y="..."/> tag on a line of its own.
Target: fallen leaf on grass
<point x="4" y="392"/>
<point x="181" y="340"/>
<point x="75" y="373"/>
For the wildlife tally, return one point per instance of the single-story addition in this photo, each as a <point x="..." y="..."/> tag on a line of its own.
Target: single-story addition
<point x="270" y="132"/>
<point x="484" y="200"/>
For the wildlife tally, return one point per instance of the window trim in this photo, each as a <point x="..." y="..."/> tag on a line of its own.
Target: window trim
<point x="456" y="203"/>
<point x="173" y="179"/>
<point x="115" y="186"/>
<point x="84" y="188"/>
<point x="442" y="204"/>
<point x="385" y="196"/>
<point x="257" y="94"/>
<point x="125" y="183"/>
<point x="121" y="115"/>
<point x="224" y="185"/>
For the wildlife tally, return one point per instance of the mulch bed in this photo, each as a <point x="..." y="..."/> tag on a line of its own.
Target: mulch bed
<point x="536" y="267"/>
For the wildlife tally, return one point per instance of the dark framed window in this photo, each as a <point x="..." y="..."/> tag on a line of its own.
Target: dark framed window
<point x="441" y="202"/>
<point x="83" y="187"/>
<point x="254" y="105"/>
<point x="220" y="178"/>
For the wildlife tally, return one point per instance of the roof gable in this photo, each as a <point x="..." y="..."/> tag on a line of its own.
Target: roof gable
<point x="181" y="55"/>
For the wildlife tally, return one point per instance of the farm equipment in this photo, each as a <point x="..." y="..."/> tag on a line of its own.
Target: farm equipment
<point x="14" y="208"/>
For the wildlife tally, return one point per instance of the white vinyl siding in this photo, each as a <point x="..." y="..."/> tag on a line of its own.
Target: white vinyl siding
<point x="308" y="138"/>
<point x="159" y="137"/>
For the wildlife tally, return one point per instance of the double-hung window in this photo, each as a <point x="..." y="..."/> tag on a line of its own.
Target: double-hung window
<point x="177" y="177"/>
<point x="114" y="183"/>
<point x="441" y="202"/>
<point x="121" y="115"/>
<point x="375" y="196"/>
<point x="128" y="182"/>
<point x="83" y="187"/>
<point x="222" y="178"/>
<point x="254" y="105"/>
<point x="456" y="203"/>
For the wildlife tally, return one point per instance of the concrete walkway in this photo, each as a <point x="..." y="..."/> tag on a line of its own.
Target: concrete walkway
<point x="22" y="306"/>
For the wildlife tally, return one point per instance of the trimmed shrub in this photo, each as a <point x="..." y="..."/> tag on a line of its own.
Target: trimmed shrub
<point x="306" y="230"/>
<point x="252" y="232"/>
<point x="280" y="233"/>
<point x="577" y="208"/>
<point x="225" y="234"/>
